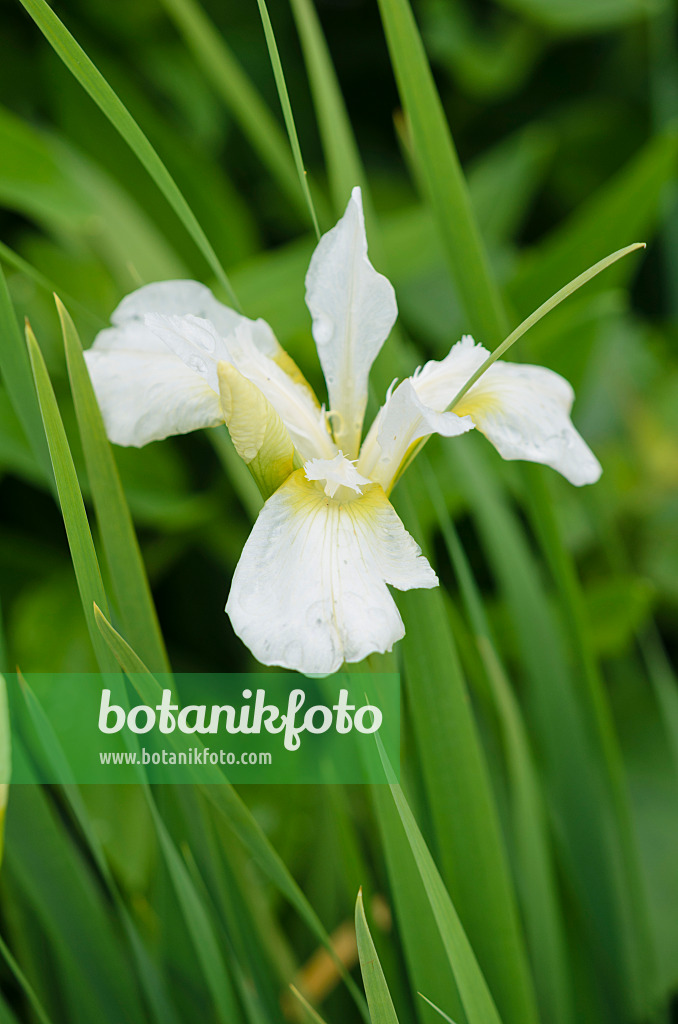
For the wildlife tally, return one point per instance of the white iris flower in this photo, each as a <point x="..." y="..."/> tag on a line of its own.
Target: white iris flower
<point x="310" y="591"/>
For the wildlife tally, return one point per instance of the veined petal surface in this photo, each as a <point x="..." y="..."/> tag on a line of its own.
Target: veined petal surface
<point x="148" y="395"/>
<point x="176" y="298"/>
<point x="145" y="391"/>
<point x="155" y="370"/>
<point x="523" y="410"/>
<point x="353" y="309"/>
<point x="310" y="590"/>
<point x="198" y="344"/>
<point x="259" y="435"/>
<point x="402" y="421"/>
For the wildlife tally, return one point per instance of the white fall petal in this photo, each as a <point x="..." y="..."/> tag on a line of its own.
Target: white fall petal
<point x="155" y="370"/>
<point x="147" y="396"/>
<point x="353" y="309"/>
<point x="310" y="590"/>
<point x="524" y="411"/>
<point x="200" y="347"/>
<point x="145" y="392"/>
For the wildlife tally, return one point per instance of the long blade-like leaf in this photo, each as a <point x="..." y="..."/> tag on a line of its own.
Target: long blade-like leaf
<point x="125" y="564"/>
<point x="5" y="758"/>
<point x="94" y="83"/>
<point x="13" y="259"/>
<point x="344" y="166"/>
<point x="239" y="94"/>
<point x="546" y="307"/>
<point x="228" y="803"/>
<point x="15" y="369"/>
<point x="478" y="1004"/>
<point x="574" y="767"/>
<point x="199" y="926"/>
<point x="281" y="85"/>
<point x="382" y="1010"/>
<point x="80" y="541"/>
<point x="149" y="975"/>
<point x="439" y="167"/>
<point x="437" y="1009"/>
<point x="531" y="842"/>
<point x="452" y="751"/>
<point x="24" y="983"/>
<point x="530" y="321"/>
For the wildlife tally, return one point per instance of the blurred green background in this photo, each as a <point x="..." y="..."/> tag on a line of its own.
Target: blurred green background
<point x="565" y="116"/>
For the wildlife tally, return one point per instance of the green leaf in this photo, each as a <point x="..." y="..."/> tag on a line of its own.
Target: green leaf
<point x="344" y="166"/>
<point x="53" y="183"/>
<point x="529" y="833"/>
<point x="199" y="926"/>
<point x="633" y="896"/>
<point x="229" y="804"/>
<point x="15" y="369"/>
<point x="379" y="999"/>
<point x="52" y="881"/>
<point x="451" y="750"/>
<point x="665" y="685"/>
<point x="425" y="956"/>
<point x="4" y="656"/>
<point x="626" y="206"/>
<point x="281" y="86"/>
<point x="126" y="567"/>
<point x="195" y="915"/>
<point x="80" y="542"/>
<point x="91" y="79"/>
<point x="504" y="179"/>
<point x="572" y="759"/>
<point x="239" y="94"/>
<point x="522" y="329"/>
<point x="437" y="1009"/>
<point x="477" y="1001"/>
<point x="545" y="308"/>
<point x="440" y="171"/>
<point x="149" y="976"/>
<point x="311" y="1013"/>
<point x="24" y="984"/>
<point x="583" y="16"/>
<point x="24" y="267"/>
<point x="5" y="759"/>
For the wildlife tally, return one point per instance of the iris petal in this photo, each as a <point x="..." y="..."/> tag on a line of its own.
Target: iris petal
<point x="310" y="590"/>
<point x="353" y="309"/>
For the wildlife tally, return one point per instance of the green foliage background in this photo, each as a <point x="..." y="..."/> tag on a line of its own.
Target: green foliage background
<point x="558" y="607"/>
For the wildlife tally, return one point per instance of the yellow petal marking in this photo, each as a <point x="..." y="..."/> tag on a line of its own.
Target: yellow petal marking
<point x="259" y="435"/>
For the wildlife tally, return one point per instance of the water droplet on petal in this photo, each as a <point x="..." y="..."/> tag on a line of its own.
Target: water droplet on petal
<point x="206" y="341"/>
<point x="197" y="364"/>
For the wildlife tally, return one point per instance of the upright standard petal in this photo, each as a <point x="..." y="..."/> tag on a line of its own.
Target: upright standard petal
<point x="310" y="589"/>
<point x="353" y="309"/>
<point x="523" y="410"/>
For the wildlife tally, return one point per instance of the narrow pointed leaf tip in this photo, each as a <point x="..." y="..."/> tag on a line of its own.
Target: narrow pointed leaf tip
<point x="563" y="293"/>
<point x="382" y="1010"/>
<point x="436" y="1008"/>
